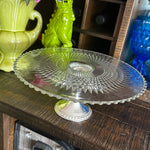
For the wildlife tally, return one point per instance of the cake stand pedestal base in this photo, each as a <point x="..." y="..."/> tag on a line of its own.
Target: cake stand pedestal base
<point x="73" y="111"/>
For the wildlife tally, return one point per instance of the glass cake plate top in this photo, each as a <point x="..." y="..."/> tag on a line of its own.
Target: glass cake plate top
<point x="79" y="75"/>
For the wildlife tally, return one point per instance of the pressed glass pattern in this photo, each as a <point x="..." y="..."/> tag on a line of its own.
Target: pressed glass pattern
<point x="80" y="76"/>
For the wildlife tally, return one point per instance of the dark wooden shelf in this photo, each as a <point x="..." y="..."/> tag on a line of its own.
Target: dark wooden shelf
<point x="97" y="32"/>
<point x="122" y="126"/>
<point x="114" y="1"/>
<point x="113" y="10"/>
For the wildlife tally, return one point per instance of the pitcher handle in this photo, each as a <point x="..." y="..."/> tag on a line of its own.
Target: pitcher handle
<point x="36" y="31"/>
<point x="1" y="57"/>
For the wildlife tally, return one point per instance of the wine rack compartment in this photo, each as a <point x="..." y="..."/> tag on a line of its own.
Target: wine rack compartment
<point x="98" y="23"/>
<point x="100" y="44"/>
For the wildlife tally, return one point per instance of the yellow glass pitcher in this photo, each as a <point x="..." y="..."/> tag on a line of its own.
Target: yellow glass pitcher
<point x="14" y="38"/>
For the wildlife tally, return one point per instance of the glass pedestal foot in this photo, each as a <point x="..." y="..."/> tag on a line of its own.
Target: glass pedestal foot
<point x="72" y="111"/>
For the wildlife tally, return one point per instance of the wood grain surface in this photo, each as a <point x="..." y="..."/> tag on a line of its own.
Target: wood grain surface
<point x="8" y="132"/>
<point x="124" y="28"/>
<point x="114" y="127"/>
<point x="1" y="131"/>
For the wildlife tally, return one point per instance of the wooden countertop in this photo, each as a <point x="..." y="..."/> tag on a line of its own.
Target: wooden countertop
<point x="116" y="127"/>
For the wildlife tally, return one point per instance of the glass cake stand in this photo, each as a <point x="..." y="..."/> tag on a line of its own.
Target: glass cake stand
<point x="79" y="77"/>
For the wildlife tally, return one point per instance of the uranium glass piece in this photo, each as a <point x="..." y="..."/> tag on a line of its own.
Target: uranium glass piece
<point x="59" y="30"/>
<point x="14" y="38"/>
<point x="80" y="76"/>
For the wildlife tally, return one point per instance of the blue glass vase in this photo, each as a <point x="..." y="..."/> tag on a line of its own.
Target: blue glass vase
<point x="140" y="45"/>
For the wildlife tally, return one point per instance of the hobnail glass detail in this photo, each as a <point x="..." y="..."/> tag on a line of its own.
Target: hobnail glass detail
<point x="73" y="111"/>
<point x="140" y="45"/>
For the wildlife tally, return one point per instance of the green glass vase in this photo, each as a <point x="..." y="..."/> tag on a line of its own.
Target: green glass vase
<point x="14" y="38"/>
